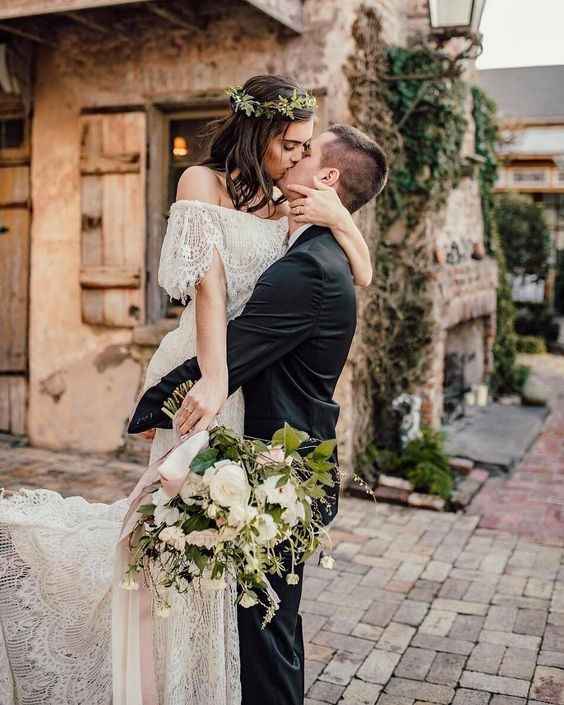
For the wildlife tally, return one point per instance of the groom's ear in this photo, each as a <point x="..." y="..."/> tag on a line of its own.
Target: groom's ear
<point x="329" y="176"/>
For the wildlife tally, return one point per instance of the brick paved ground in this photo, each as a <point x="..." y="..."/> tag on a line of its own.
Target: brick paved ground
<point x="422" y="607"/>
<point x="531" y="501"/>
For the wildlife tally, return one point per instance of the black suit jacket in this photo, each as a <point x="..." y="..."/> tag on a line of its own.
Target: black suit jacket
<point x="287" y="348"/>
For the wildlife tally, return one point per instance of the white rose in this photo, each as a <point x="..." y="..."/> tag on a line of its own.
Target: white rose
<point x="173" y="536"/>
<point x="285" y="495"/>
<point x="168" y="515"/>
<point x="267" y="528"/>
<point x="178" y="462"/>
<point x="239" y="515"/>
<point x="294" y="513"/>
<point x="292" y="579"/>
<point x="327" y="562"/>
<point x="249" y="599"/>
<point x="228" y="484"/>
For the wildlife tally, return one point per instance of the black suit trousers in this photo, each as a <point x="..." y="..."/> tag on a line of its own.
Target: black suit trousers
<point x="273" y="657"/>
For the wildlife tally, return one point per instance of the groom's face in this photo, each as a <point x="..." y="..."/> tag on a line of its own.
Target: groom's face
<point x="308" y="167"/>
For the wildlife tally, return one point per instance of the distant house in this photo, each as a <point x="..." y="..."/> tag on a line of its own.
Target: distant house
<point x="530" y="102"/>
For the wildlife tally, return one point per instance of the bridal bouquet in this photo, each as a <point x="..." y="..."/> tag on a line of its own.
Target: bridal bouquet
<point x="228" y="505"/>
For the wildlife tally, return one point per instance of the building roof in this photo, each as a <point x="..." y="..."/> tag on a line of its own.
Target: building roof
<point x="531" y="92"/>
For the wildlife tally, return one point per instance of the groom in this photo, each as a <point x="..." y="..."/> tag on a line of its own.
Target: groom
<point x="287" y="350"/>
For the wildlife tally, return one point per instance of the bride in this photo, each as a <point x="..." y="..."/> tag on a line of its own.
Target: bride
<point x="61" y="602"/>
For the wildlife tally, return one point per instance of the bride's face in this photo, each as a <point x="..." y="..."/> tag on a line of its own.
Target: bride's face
<point x="286" y="150"/>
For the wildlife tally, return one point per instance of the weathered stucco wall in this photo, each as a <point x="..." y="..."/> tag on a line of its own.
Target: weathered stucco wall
<point x="83" y="379"/>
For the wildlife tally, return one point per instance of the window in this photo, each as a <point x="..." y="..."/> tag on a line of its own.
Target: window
<point x="531" y="176"/>
<point x="188" y="142"/>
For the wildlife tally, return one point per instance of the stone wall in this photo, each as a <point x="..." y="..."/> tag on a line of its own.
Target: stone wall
<point x="83" y="379"/>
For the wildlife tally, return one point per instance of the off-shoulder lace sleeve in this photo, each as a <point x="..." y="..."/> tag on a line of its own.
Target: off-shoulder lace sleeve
<point x="193" y="230"/>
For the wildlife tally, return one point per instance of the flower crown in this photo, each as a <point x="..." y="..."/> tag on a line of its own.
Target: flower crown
<point x="284" y="106"/>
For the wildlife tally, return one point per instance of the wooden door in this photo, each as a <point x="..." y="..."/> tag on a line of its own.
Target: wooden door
<point x="112" y="168"/>
<point x="14" y="272"/>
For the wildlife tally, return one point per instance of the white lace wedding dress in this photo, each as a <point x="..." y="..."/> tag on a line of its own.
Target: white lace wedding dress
<point x="57" y="554"/>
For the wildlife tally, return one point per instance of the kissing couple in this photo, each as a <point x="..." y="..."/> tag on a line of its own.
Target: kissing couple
<point x="262" y="250"/>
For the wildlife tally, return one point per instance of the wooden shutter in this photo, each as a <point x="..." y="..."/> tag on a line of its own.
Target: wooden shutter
<point x="112" y="169"/>
<point x="14" y="278"/>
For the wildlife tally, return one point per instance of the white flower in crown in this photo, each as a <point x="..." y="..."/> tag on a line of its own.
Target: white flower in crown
<point x="177" y="463"/>
<point x="228" y="484"/>
<point x="173" y="536"/>
<point x="267" y="528"/>
<point x="166" y="515"/>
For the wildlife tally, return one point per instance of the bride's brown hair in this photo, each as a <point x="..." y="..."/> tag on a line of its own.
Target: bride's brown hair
<point x="239" y="142"/>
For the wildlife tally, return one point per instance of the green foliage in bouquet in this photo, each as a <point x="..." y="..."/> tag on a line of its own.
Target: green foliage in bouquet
<point x="245" y="509"/>
<point x="423" y="462"/>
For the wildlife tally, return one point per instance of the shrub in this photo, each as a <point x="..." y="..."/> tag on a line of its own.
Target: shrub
<point x="423" y="462"/>
<point x="531" y="344"/>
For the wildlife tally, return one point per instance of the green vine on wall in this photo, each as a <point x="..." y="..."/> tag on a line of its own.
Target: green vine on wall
<point x="412" y="103"/>
<point x="507" y="376"/>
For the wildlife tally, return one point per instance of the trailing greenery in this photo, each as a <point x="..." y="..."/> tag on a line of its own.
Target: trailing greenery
<point x="412" y="103"/>
<point x="507" y="377"/>
<point x="531" y="344"/>
<point x="423" y="462"/>
<point x="524" y="234"/>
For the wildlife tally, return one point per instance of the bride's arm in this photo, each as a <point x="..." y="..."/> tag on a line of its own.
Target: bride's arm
<point x="210" y="392"/>
<point x="323" y="206"/>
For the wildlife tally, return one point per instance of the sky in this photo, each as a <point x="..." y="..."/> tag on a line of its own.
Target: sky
<point x="522" y="33"/>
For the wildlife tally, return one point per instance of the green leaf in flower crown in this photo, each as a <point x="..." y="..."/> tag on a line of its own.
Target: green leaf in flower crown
<point x="148" y="509"/>
<point x="204" y="460"/>
<point x="290" y="438"/>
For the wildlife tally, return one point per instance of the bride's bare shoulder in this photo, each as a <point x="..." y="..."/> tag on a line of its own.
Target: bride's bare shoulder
<point x="199" y="183"/>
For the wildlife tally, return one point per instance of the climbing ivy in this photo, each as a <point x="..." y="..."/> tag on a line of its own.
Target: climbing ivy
<point x="412" y="101"/>
<point x="507" y="376"/>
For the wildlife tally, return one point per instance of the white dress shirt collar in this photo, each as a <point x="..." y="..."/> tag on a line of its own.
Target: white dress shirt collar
<point x="296" y="234"/>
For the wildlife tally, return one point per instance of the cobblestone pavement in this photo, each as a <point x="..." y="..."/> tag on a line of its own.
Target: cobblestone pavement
<point x="531" y="501"/>
<point x="422" y="607"/>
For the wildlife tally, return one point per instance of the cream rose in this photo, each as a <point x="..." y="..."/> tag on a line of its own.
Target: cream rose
<point x="228" y="484"/>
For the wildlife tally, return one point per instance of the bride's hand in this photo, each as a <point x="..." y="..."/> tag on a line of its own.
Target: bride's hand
<point x="201" y="404"/>
<point x="320" y="205"/>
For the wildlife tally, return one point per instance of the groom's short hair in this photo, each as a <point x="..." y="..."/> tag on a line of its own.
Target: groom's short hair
<point x="361" y="162"/>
